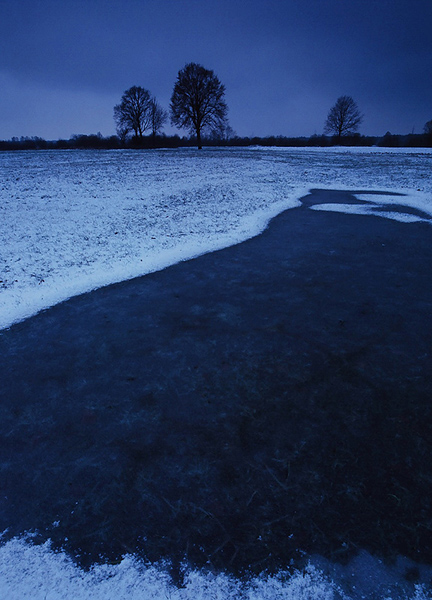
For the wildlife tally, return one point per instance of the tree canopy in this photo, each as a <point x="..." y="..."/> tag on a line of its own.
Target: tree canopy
<point x="197" y="102"/>
<point x="343" y="118"/>
<point x="137" y="113"/>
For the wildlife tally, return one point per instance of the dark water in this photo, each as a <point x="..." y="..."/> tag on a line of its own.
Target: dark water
<point x="236" y="410"/>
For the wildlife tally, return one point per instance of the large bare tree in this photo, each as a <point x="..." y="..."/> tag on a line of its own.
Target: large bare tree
<point x="344" y="117"/>
<point x="134" y="113"/>
<point x="197" y="102"/>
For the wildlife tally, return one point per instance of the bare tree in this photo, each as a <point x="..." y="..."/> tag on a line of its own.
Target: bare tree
<point x="197" y="102"/>
<point x="344" y="117"/>
<point x="428" y="128"/>
<point x="223" y="133"/>
<point x="134" y="113"/>
<point x="159" y="117"/>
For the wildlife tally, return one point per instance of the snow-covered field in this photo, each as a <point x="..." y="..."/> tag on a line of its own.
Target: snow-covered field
<point x="72" y="221"/>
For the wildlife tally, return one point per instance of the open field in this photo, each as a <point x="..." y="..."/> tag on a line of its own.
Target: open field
<point x="250" y="409"/>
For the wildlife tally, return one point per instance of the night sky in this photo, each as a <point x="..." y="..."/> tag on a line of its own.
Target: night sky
<point x="64" y="64"/>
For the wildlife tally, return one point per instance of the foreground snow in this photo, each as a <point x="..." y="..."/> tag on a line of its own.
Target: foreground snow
<point x="72" y="221"/>
<point x="36" y="573"/>
<point x="46" y="573"/>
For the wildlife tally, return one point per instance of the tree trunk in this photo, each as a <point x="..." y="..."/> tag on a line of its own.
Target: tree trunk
<point x="198" y="131"/>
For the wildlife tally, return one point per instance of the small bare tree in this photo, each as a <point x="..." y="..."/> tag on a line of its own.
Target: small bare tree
<point x="197" y="102"/>
<point x="159" y="117"/>
<point x="134" y="113"/>
<point x="344" y="117"/>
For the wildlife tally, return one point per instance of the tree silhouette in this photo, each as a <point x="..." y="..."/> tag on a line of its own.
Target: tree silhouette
<point x="344" y="117"/>
<point x="428" y="128"/>
<point x="134" y="113"/>
<point x="158" y="116"/>
<point x="197" y="102"/>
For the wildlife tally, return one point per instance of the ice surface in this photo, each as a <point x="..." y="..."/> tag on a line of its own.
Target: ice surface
<point x="72" y="221"/>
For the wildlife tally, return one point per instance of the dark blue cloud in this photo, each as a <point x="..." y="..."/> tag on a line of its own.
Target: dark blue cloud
<point x="283" y="62"/>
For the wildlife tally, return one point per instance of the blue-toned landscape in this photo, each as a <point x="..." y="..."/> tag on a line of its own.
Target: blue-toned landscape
<point x="219" y="384"/>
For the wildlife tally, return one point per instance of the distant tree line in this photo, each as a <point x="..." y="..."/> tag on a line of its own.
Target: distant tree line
<point x="198" y="106"/>
<point x="95" y="141"/>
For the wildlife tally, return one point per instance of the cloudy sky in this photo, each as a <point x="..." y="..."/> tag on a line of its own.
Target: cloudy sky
<point x="64" y="64"/>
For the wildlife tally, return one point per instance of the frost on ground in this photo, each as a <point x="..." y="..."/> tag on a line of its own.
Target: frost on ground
<point x="72" y="221"/>
<point x="30" y="572"/>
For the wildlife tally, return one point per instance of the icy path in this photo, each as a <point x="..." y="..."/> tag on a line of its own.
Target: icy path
<point x="72" y="221"/>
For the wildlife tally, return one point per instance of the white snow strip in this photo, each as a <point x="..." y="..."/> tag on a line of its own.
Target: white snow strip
<point x="361" y="209"/>
<point x="413" y="199"/>
<point x="347" y="149"/>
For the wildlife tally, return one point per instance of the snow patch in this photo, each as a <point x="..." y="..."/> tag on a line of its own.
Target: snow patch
<point x="374" y="209"/>
<point x="37" y="573"/>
